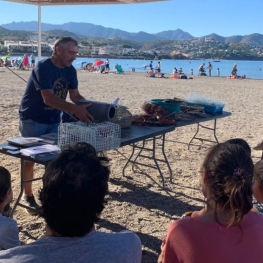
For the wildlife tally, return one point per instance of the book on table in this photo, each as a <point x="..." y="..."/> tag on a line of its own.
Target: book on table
<point x="24" y="141"/>
<point x="35" y="151"/>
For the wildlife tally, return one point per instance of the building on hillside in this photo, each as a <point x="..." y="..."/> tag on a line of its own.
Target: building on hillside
<point x="26" y="46"/>
<point x="128" y="51"/>
<point x="108" y="50"/>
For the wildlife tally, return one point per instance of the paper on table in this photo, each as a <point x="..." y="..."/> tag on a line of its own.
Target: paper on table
<point x="32" y="151"/>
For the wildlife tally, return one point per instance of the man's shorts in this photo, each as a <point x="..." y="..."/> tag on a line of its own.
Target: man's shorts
<point x="29" y="128"/>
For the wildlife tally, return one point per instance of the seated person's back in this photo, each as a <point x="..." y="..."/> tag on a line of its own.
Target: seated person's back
<point x="74" y="188"/>
<point x="226" y="230"/>
<point x="8" y="228"/>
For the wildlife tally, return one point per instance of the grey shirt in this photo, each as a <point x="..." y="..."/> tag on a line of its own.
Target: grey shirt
<point x="95" y="247"/>
<point x="9" y="234"/>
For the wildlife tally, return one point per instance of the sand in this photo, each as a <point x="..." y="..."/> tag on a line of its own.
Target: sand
<point x="137" y="202"/>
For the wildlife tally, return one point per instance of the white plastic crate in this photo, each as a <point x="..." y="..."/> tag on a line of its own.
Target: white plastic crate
<point x="102" y="136"/>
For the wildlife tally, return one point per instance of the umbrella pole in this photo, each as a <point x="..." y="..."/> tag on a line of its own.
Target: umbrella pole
<point x="15" y="74"/>
<point x="39" y="33"/>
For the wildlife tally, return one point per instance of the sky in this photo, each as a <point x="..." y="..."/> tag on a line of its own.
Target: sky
<point x="197" y="17"/>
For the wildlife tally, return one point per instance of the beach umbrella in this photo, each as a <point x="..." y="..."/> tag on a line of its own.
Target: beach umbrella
<point x="5" y="57"/>
<point x="41" y="3"/>
<point x="98" y="63"/>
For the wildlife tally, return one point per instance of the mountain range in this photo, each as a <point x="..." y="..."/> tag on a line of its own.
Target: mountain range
<point x="91" y="30"/>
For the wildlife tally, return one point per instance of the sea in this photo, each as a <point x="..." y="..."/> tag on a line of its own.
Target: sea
<point x="251" y="69"/>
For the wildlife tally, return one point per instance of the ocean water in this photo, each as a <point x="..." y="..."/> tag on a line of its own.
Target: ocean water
<point x="252" y="69"/>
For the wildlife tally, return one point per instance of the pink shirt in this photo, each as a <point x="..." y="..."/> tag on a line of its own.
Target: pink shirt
<point x="190" y="240"/>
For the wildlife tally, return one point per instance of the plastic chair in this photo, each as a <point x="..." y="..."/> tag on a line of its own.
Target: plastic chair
<point x="119" y="69"/>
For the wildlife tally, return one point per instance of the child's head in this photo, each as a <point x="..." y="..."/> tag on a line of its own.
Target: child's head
<point x="227" y="180"/>
<point x="240" y="142"/>
<point x="258" y="181"/>
<point x="5" y="185"/>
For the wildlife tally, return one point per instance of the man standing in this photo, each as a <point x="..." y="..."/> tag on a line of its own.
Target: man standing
<point x="210" y="67"/>
<point x="73" y="198"/>
<point x="107" y="64"/>
<point x="44" y="99"/>
<point x="32" y="60"/>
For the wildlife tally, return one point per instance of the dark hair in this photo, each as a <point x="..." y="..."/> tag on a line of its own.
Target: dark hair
<point x="258" y="172"/>
<point x="229" y="169"/>
<point x="5" y="182"/>
<point x="62" y="41"/>
<point x="240" y="142"/>
<point x="74" y="188"/>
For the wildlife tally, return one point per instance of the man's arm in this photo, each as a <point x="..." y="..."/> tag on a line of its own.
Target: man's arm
<point x="56" y="102"/>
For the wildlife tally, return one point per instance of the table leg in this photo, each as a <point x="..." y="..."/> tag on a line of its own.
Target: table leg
<point x="203" y="139"/>
<point x="22" y="183"/>
<point x="153" y="157"/>
<point x="21" y="188"/>
<point x="129" y="160"/>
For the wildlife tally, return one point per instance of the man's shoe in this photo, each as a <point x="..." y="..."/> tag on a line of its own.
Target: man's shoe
<point x="33" y="207"/>
<point x="259" y="147"/>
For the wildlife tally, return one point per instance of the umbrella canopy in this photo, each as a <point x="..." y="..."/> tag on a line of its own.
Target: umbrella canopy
<point x="40" y="3"/>
<point x="5" y="57"/>
<point x="98" y="63"/>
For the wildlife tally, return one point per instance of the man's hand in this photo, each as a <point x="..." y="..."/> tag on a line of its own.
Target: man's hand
<point x="82" y="114"/>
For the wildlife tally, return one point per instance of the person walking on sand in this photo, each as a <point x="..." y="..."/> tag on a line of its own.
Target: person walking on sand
<point x="210" y="67"/>
<point x="107" y="65"/>
<point x="45" y="98"/>
<point x="25" y="62"/>
<point x="32" y="60"/>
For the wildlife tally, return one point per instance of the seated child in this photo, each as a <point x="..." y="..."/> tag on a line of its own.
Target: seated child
<point x="8" y="228"/>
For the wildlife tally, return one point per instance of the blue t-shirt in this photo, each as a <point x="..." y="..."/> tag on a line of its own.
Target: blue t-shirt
<point x="46" y="76"/>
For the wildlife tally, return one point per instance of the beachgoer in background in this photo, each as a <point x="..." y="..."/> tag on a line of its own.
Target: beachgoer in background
<point x="107" y="64"/>
<point x="174" y="73"/>
<point x="25" y="62"/>
<point x="192" y="72"/>
<point x="45" y="97"/>
<point x="258" y="186"/>
<point x="9" y="233"/>
<point x="201" y="69"/>
<point x="158" y="69"/>
<point x="32" y="60"/>
<point x="225" y="228"/>
<point x="73" y="197"/>
<point x="151" y="65"/>
<point x="234" y="70"/>
<point x="150" y="73"/>
<point x="180" y="71"/>
<point x="210" y="67"/>
<point x="218" y="72"/>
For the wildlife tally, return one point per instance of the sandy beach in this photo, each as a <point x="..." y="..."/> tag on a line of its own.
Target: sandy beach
<point x="138" y="202"/>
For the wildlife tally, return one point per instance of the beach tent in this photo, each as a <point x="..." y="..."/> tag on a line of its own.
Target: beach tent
<point x="41" y="3"/>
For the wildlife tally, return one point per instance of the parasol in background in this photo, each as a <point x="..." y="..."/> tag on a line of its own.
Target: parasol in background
<point x="5" y="58"/>
<point x="98" y="63"/>
<point x="41" y="3"/>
